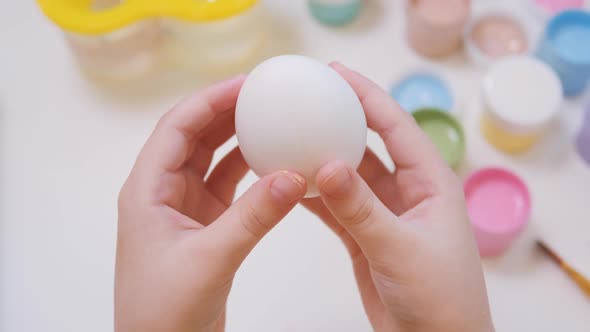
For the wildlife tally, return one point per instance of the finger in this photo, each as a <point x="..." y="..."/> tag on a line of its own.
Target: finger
<point x="317" y="207"/>
<point x="372" y="167"/>
<point x="246" y="222"/>
<point x="396" y="127"/>
<point x="171" y="143"/>
<point x="358" y="210"/>
<point x="219" y="132"/>
<point x="226" y="175"/>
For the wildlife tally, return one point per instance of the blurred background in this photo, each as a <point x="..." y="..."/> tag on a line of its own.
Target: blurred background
<point x="78" y="100"/>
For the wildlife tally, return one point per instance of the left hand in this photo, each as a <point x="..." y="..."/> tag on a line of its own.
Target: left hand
<point x="180" y="239"/>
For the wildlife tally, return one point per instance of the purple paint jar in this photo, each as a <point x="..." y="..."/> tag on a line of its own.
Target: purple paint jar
<point x="583" y="142"/>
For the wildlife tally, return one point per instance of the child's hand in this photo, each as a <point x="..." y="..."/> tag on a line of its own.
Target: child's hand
<point x="179" y="240"/>
<point x="408" y="233"/>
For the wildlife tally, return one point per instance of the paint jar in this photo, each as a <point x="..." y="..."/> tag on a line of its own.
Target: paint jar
<point x="426" y="88"/>
<point x="335" y="12"/>
<point x="126" y="39"/>
<point x="521" y="96"/>
<point x="499" y="208"/>
<point x="494" y="33"/>
<point x="545" y="9"/>
<point x="583" y="140"/>
<point x="435" y="27"/>
<point x="445" y="132"/>
<point x="566" y="48"/>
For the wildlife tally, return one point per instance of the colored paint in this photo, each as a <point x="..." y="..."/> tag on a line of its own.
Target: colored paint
<point x="574" y="42"/>
<point x="335" y="12"/>
<point x="499" y="206"/>
<point x="566" y="48"/>
<point x="422" y="90"/>
<point x="516" y="115"/>
<point x="445" y="132"/>
<point x="498" y="36"/>
<point x="506" y="140"/>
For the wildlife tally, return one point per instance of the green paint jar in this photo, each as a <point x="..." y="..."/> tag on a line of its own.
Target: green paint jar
<point x="445" y="132"/>
<point x="335" y="12"/>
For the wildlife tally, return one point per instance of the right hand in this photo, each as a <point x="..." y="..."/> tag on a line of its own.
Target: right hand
<point x="407" y="232"/>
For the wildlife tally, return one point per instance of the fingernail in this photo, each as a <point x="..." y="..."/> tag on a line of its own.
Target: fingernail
<point x="288" y="187"/>
<point x="338" y="183"/>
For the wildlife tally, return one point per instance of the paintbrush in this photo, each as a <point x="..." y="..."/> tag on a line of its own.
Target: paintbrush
<point x="576" y="276"/>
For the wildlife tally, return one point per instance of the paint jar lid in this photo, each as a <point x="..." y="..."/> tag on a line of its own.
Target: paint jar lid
<point x="499" y="207"/>
<point x="424" y="88"/>
<point x="569" y="32"/>
<point x="545" y="9"/>
<point x="445" y="132"/>
<point x="498" y="31"/>
<point x="522" y="93"/>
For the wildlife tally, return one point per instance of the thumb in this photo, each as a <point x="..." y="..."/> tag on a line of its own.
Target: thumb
<point x="248" y="220"/>
<point x="354" y="205"/>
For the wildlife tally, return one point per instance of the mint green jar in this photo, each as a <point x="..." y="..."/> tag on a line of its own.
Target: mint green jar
<point x="335" y="12"/>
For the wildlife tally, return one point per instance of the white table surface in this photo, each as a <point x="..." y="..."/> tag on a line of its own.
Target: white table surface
<point x="66" y="147"/>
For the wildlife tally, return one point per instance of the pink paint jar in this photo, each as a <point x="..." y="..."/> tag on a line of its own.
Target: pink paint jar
<point x="499" y="207"/>
<point x="435" y="27"/>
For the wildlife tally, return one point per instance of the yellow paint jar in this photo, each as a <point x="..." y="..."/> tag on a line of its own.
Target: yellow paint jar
<point x="127" y="39"/>
<point x="521" y="96"/>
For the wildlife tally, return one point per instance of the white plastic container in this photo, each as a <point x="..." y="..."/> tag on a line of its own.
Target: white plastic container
<point x="129" y="53"/>
<point x="129" y="39"/>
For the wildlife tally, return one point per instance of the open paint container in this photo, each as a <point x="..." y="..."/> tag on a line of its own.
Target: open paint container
<point x="566" y="48"/>
<point x="546" y="9"/>
<point x="583" y="140"/>
<point x="499" y="207"/>
<point x="426" y="88"/>
<point x="335" y="12"/>
<point x="445" y="132"/>
<point x="434" y="28"/>
<point x="126" y="39"/>
<point x="496" y="32"/>
<point x="521" y="97"/>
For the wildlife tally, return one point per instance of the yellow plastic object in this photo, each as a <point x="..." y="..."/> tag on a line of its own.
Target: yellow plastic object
<point x="80" y="16"/>
<point x="505" y="140"/>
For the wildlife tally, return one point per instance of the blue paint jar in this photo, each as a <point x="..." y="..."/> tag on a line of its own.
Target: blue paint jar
<point x="423" y="90"/>
<point x="566" y="48"/>
<point x="335" y="12"/>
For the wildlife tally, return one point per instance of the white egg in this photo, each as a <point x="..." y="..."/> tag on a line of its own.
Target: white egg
<point x="297" y="114"/>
